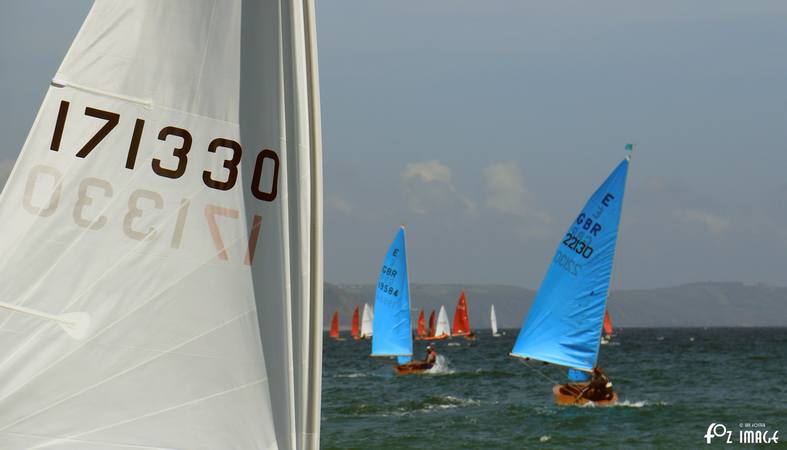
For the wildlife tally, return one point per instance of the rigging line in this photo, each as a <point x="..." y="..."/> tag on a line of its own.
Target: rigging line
<point x="125" y="371"/>
<point x="171" y="408"/>
<point x="551" y="380"/>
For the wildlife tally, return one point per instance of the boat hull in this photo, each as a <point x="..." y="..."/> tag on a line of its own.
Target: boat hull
<point x="413" y="368"/>
<point x="435" y="338"/>
<point x="566" y="394"/>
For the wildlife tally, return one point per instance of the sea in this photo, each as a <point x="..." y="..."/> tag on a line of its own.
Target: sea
<point x="673" y="384"/>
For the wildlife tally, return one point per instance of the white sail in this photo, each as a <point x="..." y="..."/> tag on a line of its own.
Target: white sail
<point x="493" y="320"/>
<point x="161" y="245"/>
<point x="443" y="326"/>
<point x="366" y="322"/>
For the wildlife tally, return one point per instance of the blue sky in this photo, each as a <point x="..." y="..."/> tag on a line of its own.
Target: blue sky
<point x="484" y="126"/>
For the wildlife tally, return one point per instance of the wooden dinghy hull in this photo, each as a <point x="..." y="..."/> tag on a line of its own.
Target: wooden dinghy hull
<point x="413" y="368"/>
<point x="435" y="338"/>
<point x="566" y="395"/>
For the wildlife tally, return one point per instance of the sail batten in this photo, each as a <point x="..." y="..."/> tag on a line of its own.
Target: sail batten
<point x="564" y="323"/>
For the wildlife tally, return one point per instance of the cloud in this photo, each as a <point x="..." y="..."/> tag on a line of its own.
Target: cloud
<point x="339" y="203"/>
<point x="506" y="192"/>
<point x="428" y="186"/>
<point x="505" y="189"/>
<point x="712" y="222"/>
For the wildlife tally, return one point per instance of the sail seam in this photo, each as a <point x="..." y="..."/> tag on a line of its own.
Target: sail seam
<point x="54" y="439"/>
<point x="123" y="372"/>
<point x="172" y="408"/>
<point x="146" y="102"/>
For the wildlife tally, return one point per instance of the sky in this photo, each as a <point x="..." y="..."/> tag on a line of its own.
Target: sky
<point x="485" y="126"/>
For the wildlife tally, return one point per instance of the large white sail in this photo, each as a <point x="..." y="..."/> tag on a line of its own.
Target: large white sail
<point x="493" y="320"/>
<point x="366" y="322"/>
<point x="443" y="327"/>
<point x="169" y="191"/>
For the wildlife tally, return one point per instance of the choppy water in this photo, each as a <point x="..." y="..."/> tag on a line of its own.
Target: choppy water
<point x="672" y="384"/>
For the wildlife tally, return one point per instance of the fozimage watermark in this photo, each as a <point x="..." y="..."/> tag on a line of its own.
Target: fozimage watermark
<point x="747" y="433"/>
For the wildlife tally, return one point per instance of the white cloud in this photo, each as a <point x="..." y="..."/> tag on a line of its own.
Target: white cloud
<point x="713" y="223"/>
<point x="505" y="189"/>
<point x="428" y="185"/>
<point x="339" y="203"/>
<point x="428" y="171"/>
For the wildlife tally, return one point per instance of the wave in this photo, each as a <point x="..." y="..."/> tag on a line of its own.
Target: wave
<point x="627" y="404"/>
<point x="351" y="375"/>
<point x="426" y="405"/>
<point x="440" y="367"/>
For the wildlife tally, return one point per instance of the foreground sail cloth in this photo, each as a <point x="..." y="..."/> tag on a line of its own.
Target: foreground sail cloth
<point x="169" y="190"/>
<point x="392" y="330"/>
<point x="564" y="324"/>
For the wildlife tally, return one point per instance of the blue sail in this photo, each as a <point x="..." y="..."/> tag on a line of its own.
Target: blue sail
<point x="392" y="331"/>
<point x="564" y="324"/>
<point x="577" y="376"/>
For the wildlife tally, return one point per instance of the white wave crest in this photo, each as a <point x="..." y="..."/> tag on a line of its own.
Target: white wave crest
<point x="440" y="367"/>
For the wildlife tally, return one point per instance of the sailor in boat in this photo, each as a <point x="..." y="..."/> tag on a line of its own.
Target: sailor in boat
<point x="419" y="366"/>
<point x="431" y="355"/>
<point x="599" y="388"/>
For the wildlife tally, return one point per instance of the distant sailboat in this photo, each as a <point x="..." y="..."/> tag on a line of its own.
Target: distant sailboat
<point x="607" y="329"/>
<point x="462" y="320"/>
<point x="442" y="328"/>
<point x="493" y="321"/>
<point x="564" y="324"/>
<point x="161" y="248"/>
<point x="334" y="332"/>
<point x="421" y="331"/>
<point x="355" y="331"/>
<point x="392" y="330"/>
<point x="432" y="324"/>
<point x="367" y="322"/>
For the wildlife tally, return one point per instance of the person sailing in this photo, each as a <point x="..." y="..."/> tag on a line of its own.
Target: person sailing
<point x="599" y="388"/>
<point x="431" y="355"/>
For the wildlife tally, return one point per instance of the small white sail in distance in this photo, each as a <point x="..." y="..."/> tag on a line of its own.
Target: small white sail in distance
<point x="366" y="322"/>
<point x="493" y="320"/>
<point x="443" y="326"/>
<point x="172" y="192"/>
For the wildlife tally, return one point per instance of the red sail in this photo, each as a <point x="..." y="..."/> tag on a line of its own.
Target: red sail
<point x="431" y="323"/>
<point x="421" y="324"/>
<point x="461" y="325"/>
<point x="355" y="331"/>
<point x="607" y="324"/>
<point x="334" y="333"/>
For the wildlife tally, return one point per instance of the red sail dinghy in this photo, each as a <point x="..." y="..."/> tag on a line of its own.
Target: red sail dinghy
<point x="462" y="320"/>
<point x="355" y="329"/>
<point x="334" y="333"/>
